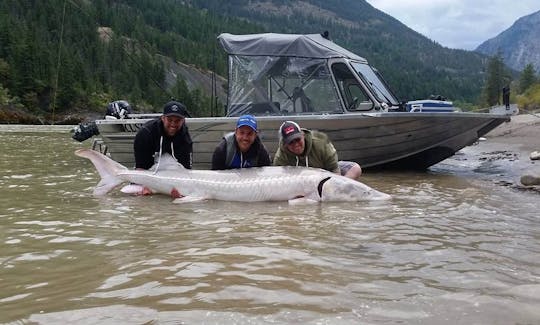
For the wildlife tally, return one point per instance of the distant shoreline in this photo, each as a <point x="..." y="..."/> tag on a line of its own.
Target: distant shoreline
<point x="23" y="128"/>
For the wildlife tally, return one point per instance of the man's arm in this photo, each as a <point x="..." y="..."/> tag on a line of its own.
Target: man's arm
<point x="280" y="159"/>
<point x="264" y="157"/>
<point x="144" y="159"/>
<point x="219" y="156"/>
<point x="186" y="157"/>
<point x="143" y="150"/>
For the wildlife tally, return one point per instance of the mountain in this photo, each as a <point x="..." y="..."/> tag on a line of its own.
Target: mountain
<point x="519" y="45"/>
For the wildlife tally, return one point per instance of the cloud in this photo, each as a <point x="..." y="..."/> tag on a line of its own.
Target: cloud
<point x="457" y="23"/>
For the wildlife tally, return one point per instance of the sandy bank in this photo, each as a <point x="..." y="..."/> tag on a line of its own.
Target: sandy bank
<point x="522" y="132"/>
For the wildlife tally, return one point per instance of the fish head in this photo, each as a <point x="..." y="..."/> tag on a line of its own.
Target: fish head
<point x="340" y="188"/>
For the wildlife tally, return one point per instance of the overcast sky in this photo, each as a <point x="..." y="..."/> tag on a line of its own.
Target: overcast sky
<point x="461" y="24"/>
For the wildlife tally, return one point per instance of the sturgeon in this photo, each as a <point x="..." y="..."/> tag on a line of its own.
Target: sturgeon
<point x="293" y="184"/>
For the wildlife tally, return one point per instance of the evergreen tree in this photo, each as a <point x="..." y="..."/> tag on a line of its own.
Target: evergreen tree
<point x="527" y="78"/>
<point x="497" y="78"/>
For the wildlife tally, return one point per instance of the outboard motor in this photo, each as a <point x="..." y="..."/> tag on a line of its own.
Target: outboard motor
<point x="84" y="131"/>
<point x="118" y="109"/>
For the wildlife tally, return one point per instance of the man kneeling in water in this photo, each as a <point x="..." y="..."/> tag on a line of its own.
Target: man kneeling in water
<point x="303" y="147"/>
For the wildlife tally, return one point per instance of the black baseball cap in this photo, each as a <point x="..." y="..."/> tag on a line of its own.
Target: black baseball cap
<point x="175" y="108"/>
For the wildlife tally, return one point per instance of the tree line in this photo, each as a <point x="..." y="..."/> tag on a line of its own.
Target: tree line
<point x="525" y="88"/>
<point x="59" y="56"/>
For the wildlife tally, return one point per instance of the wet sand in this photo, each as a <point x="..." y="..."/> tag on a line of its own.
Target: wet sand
<point x="521" y="133"/>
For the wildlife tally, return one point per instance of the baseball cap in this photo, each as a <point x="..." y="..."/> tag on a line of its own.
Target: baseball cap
<point x="290" y="131"/>
<point x="174" y="108"/>
<point x="247" y="120"/>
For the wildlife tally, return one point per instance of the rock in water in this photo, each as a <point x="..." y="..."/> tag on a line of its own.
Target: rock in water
<point x="530" y="180"/>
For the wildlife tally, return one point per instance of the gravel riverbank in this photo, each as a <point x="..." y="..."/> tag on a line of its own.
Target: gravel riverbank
<point x="507" y="150"/>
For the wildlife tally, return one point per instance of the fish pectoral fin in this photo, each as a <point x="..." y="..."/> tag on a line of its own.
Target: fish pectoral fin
<point x="188" y="199"/>
<point x="134" y="189"/>
<point x="302" y="201"/>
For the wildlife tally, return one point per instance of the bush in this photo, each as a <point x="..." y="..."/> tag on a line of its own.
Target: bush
<point x="530" y="100"/>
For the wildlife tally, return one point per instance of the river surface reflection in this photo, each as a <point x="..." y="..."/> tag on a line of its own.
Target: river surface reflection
<point x="451" y="247"/>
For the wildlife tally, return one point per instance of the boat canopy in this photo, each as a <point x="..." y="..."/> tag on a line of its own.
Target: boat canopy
<point x="285" y="45"/>
<point x="292" y="74"/>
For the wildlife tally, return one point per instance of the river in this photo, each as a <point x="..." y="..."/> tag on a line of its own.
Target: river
<point x="451" y="247"/>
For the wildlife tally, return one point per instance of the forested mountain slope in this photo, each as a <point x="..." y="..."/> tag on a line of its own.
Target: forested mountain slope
<point x="59" y="56"/>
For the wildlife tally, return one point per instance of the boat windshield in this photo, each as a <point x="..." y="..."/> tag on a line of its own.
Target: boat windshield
<point x="272" y="85"/>
<point x="375" y="82"/>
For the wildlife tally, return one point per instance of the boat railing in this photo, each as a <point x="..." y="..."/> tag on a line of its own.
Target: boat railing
<point x="143" y="115"/>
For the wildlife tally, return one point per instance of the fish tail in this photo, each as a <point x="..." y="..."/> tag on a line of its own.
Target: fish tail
<point x="107" y="168"/>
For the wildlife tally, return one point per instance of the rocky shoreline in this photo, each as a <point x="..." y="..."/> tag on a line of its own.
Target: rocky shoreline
<point x="516" y="145"/>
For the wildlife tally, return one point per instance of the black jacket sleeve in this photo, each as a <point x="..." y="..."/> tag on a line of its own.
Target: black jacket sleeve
<point x="144" y="149"/>
<point x="219" y="156"/>
<point x="186" y="157"/>
<point x="183" y="147"/>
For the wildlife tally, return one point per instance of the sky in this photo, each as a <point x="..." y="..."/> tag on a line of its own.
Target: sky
<point x="459" y="24"/>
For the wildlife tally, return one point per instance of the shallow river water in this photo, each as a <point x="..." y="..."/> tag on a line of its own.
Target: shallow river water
<point x="451" y="247"/>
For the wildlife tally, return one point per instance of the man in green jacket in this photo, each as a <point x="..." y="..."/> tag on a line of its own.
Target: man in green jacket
<point x="302" y="147"/>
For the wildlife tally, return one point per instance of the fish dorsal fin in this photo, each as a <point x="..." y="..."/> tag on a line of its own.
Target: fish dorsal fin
<point x="167" y="162"/>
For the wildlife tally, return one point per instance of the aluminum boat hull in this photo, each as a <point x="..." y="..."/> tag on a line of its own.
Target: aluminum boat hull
<point x="387" y="139"/>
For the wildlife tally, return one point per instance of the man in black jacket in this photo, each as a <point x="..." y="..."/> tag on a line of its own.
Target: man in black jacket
<point x="166" y="134"/>
<point x="242" y="148"/>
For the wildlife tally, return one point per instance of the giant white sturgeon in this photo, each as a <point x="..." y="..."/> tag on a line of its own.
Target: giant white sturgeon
<point x="293" y="184"/>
